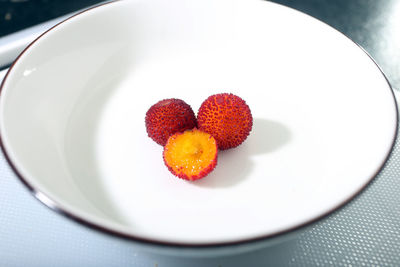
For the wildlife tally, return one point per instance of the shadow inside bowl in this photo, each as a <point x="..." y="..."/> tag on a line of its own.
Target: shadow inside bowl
<point x="234" y="165"/>
<point x="80" y="137"/>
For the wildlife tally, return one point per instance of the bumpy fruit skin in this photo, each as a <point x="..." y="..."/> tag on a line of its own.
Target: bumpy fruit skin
<point x="227" y="117"/>
<point x="191" y="155"/>
<point x="167" y="117"/>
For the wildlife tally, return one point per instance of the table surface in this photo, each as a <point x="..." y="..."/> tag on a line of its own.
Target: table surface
<point x="365" y="233"/>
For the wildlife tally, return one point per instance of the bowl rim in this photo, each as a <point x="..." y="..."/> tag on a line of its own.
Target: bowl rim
<point x="56" y="207"/>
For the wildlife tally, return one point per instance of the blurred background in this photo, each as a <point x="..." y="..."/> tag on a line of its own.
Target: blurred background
<point x="17" y="15"/>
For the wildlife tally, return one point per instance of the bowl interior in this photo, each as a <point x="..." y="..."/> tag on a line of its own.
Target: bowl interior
<point x="73" y="106"/>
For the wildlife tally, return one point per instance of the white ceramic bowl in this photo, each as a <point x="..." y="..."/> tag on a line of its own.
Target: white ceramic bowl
<point x="72" y="113"/>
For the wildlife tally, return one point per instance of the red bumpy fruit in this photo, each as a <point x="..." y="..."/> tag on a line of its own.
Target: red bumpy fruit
<point x="227" y="118"/>
<point x="191" y="155"/>
<point x="167" y="117"/>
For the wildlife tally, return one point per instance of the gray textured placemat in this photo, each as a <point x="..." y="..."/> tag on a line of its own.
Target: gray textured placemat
<point x="366" y="232"/>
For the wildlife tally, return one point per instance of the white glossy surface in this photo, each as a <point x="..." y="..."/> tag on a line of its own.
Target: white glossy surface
<point x="73" y="106"/>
